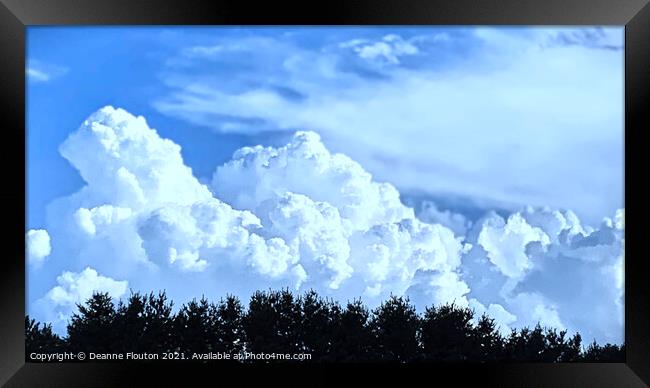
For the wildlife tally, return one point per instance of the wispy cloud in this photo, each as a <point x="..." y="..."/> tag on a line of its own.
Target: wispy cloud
<point x="389" y="48"/>
<point x="38" y="71"/>
<point x="37" y="75"/>
<point x="594" y="38"/>
<point x="457" y="109"/>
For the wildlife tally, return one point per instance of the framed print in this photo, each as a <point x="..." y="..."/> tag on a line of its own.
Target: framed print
<point x="385" y="188"/>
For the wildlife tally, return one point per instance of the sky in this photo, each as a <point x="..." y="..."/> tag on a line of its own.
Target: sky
<point x="480" y="165"/>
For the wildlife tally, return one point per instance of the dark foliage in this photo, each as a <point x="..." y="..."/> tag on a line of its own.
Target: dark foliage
<point x="272" y="323"/>
<point x="280" y="322"/>
<point x="319" y="325"/>
<point x="448" y="334"/>
<point x="352" y="339"/>
<point x="40" y="339"/>
<point x="606" y="353"/>
<point x="93" y="328"/>
<point x="394" y="327"/>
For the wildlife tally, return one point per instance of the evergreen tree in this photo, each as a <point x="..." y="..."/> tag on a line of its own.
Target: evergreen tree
<point x="41" y="339"/>
<point x="131" y="322"/>
<point x="318" y="325"/>
<point x="272" y="323"/>
<point x="144" y="323"/>
<point x="604" y="353"/>
<point x="159" y="336"/>
<point x="229" y="315"/>
<point x="515" y="346"/>
<point x="353" y="340"/>
<point x="92" y="328"/>
<point x="447" y="333"/>
<point x="195" y="327"/>
<point x="572" y="351"/>
<point x="560" y="349"/>
<point x="395" y="327"/>
<point x="488" y="345"/>
<point x="278" y="322"/>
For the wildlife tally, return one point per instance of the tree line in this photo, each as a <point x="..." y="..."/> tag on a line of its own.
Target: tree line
<point x="281" y="322"/>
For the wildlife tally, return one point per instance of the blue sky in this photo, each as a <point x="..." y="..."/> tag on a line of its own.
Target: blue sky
<point x="155" y="73"/>
<point x="470" y="119"/>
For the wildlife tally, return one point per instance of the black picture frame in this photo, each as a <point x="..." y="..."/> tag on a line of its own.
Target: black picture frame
<point x="16" y="15"/>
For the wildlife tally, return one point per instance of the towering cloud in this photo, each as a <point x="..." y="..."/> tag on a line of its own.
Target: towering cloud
<point x="300" y="216"/>
<point x="294" y="216"/>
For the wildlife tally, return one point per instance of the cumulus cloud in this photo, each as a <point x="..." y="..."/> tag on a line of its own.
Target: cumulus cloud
<point x="506" y="243"/>
<point x="38" y="246"/>
<point x="368" y="233"/>
<point x="457" y="222"/>
<point x="543" y="265"/>
<point x="72" y="288"/>
<point x="502" y="318"/>
<point x="301" y="216"/>
<point x="305" y="166"/>
<point x="143" y="202"/>
<point x="295" y="216"/>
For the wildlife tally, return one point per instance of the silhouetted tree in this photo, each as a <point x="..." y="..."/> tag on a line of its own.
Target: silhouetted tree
<point x="131" y="322"/>
<point x="92" y="328"/>
<point x="536" y="344"/>
<point x="272" y="323"/>
<point x="515" y="346"/>
<point x="558" y="348"/>
<point x="318" y="325"/>
<point x="572" y="350"/>
<point x="604" y="353"/>
<point x="278" y="322"/>
<point x="145" y="324"/>
<point x="488" y="344"/>
<point x="395" y="327"/>
<point x="195" y="327"/>
<point x="41" y="339"/>
<point x="447" y="333"/>
<point x="353" y="339"/>
<point x="159" y="335"/>
<point x="229" y="314"/>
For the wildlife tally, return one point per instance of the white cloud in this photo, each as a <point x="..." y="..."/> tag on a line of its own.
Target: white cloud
<point x="552" y="270"/>
<point x="556" y="224"/>
<point x="37" y="75"/>
<point x="301" y="216"/>
<point x="533" y="308"/>
<point x="430" y="214"/>
<point x="356" y="226"/>
<point x="591" y="37"/>
<point x="506" y="243"/>
<point x="72" y="288"/>
<point x="502" y="318"/>
<point x="144" y="204"/>
<point x="462" y="125"/>
<point x="305" y="166"/>
<point x="38" y="246"/>
<point x="389" y="48"/>
<point x="294" y="216"/>
<point x="41" y="72"/>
